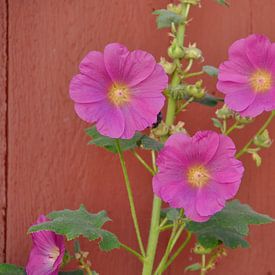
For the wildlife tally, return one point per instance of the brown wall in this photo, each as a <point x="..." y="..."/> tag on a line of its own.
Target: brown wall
<point x="47" y="165"/>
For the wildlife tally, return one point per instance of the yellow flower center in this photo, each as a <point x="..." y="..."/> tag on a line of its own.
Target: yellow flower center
<point x="261" y="81"/>
<point x="198" y="176"/>
<point x="119" y="94"/>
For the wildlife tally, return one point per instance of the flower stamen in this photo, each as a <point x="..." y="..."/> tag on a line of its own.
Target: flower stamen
<point x="119" y="94"/>
<point x="261" y="81"/>
<point x="198" y="176"/>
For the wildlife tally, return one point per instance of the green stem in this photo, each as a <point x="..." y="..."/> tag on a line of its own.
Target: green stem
<point x="185" y="104"/>
<point x="163" y="228"/>
<point x="174" y="238"/>
<point x="203" y="265"/>
<point x="132" y="251"/>
<point x="193" y="74"/>
<point x="166" y="253"/>
<point x="130" y="196"/>
<point x="170" y="117"/>
<point x="143" y="162"/>
<point x="153" y="237"/>
<point x="266" y="124"/>
<point x="232" y="128"/>
<point x="178" y="251"/>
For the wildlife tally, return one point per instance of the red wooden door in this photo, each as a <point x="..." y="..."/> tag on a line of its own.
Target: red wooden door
<point x="45" y="162"/>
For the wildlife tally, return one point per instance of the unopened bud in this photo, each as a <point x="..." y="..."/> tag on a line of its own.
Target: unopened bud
<point x="196" y="91"/>
<point x="161" y="130"/>
<point x="175" y="51"/>
<point x="263" y="140"/>
<point x="191" y="2"/>
<point x="175" y="8"/>
<point x="224" y="112"/>
<point x="199" y="249"/>
<point x="243" y="120"/>
<point x="168" y="67"/>
<point x="179" y="128"/>
<point x="192" y="52"/>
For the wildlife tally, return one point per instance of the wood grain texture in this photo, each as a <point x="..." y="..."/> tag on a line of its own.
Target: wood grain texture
<point x="49" y="164"/>
<point x="3" y="109"/>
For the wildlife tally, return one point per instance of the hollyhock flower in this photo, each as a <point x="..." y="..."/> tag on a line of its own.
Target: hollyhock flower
<point x="198" y="173"/>
<point x="120" y="91"/>
<point x="248" y="78"/>
<point x="47" y="252"/>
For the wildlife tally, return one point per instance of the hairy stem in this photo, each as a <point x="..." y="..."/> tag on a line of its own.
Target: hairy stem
<point x="203" y="264"/>
<point x="130" y="196"/>
<point x="170" y="117"/>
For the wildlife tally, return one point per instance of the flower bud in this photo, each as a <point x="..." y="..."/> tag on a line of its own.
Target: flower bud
<point x="192" y="52"/>
<point x="179" y="92"/>
<point x="168" y="67"/>
<point x="263" y="140"/>
<point x="179" y="128"/>
<point x="224" y="112"/>
<point x="199" y="249"/>
<point x="175" y="8"/>
<point x="160" y="131"/>
<point x="196" y="90"/>
<point x="175" y="51"/>
<point x="191" y="2"/>
<point x="243" y="120"/>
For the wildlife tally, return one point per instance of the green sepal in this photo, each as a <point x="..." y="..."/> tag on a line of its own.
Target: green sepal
<point x="230" y="226"/>
<point x="75" y="223"/>
<point x="166" y="18"/>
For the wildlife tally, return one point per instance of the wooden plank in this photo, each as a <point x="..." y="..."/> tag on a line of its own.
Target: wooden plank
<point x="3" y="109"/>
<point x="50" y="166"/>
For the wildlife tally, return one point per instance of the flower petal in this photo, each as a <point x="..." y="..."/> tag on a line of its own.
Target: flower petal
<point x="85" y="90"/>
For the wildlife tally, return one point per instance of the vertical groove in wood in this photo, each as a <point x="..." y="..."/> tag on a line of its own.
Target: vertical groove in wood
<point x="3" y="124"/>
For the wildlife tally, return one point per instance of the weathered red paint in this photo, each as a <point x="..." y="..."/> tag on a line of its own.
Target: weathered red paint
<point x="49" y="164"/>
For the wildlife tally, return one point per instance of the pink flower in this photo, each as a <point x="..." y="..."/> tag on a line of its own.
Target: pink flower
<point x="248" y="78"/>
<point x="47" y="252"/>
<point x="198" y="173"/>
<point x="120" y="91"/>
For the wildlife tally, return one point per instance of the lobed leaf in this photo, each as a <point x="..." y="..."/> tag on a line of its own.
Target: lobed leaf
<point x="75" y="223"/>
<point x="166" y="18"/>
<point x="125" y="144"/>
<point x="10" y="269"/>
<point x="230" y="226"/>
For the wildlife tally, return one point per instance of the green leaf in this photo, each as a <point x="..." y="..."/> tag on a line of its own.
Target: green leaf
<point x="210" y="70"/>
<point x="216" y="123"/>
<point x="150" y="144"/>
<point x="74" y="223"/>
<point x="223" y="2"/>
<point x="229" y="226"/>
<point x="10" y="269"/>
<point x="166" y="18"/>
<point x="172" y="214"/>
<point x="73" y="272"/>
<point x="209" y="100"/>
<point x="193" y="267"/>
<point x="110" y="143"/>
